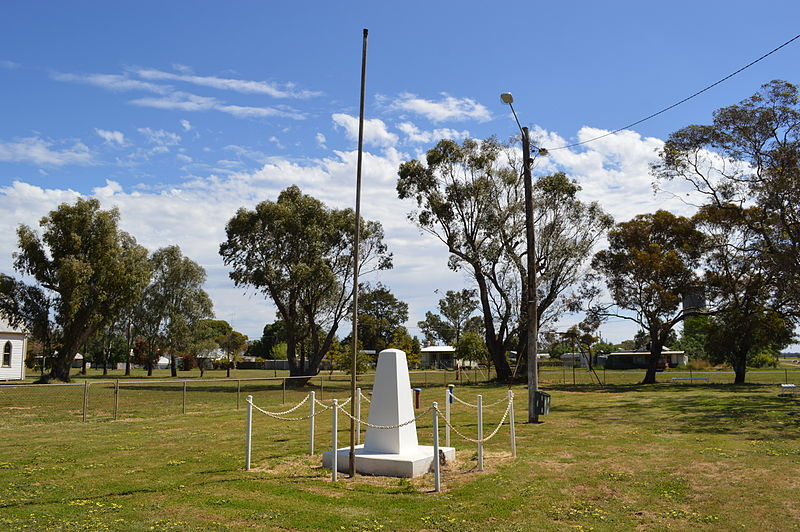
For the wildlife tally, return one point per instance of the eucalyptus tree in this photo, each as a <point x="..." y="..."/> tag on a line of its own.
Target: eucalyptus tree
<point x="750" y="314"/>
<point x="471" y="197"/>
<point x="86" y="271"/>
<point x="649" y="264"/>
<point x="455" y="310"/>
<point x="297" y="252"/>
<point x="173" y="304"/>
<point x="747" y="161"/>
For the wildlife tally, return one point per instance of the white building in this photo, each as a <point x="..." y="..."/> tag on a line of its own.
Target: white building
<point x="13" y="346"/>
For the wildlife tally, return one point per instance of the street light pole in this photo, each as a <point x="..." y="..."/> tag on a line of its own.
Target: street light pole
<point x="533" y="311"/>
<point x="532" y="345"/>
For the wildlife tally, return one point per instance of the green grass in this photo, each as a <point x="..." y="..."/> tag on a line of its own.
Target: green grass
<point x="623" y="457"/>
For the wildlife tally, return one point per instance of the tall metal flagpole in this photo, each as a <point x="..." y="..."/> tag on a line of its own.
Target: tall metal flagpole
<point x="356" y="244"/>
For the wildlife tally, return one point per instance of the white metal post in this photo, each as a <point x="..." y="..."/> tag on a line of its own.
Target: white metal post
<point x="116" y="398"/>
<point x="249" y="437"/>
<point x="335" y="440"/>
<point x="480" y="433"/>
<point x="85" y="399"/>
<point x="437" y="482"/>
<point x="447" y="401"/>
<point x="313" y="410"/>
<point x="511" y="422"/>
<point x="358" y="416"/>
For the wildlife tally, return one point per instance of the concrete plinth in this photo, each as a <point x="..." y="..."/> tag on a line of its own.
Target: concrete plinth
<point x="393" y="452"/>
<point x="409" y="464"/>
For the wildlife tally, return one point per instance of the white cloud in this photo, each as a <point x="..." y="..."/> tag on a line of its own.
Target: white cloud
<point x="111" y="137"/>
<point x="448" y="108"/>
<point x="171" y="99"/>
<point x="375" y="131"/>
<point x="613" y="171"/>
<point x="184" y="101"/>
<point x="38" y="151"/>
<point x="160" y="137"/>
<point x="321" y="140"/>
<point x="4" y="63"/>
<point x="113" y="82"/>
<point x="287" y="90"/>
<point x="414" y="134"/>
<point x="186" y="125"/>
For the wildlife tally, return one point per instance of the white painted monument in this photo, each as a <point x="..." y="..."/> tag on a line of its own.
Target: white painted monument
<point x="391" y="452"/>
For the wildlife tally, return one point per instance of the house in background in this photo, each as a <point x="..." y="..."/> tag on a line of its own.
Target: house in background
<point x="13" y="346"/>
<point x="442" y="357"/>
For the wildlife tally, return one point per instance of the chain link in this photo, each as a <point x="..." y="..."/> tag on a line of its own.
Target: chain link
<point x="403" y="424"/>
<point x="276" y="416"/>
<point x="364" y="397"/>
<point x="476" y="406"/>
<point x="487" y="438"/>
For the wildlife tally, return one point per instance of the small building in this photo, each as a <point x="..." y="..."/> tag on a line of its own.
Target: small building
<point x="442" y="357"/>
<point x="640" y="359"/>
<point x="575" y="359"/>
<point x="13" y="347"/>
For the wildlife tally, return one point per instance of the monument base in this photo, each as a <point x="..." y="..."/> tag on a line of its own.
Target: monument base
<point x="409" y="464"/>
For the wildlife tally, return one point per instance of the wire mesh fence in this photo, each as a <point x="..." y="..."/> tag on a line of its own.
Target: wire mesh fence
<point x="92" y="400"/>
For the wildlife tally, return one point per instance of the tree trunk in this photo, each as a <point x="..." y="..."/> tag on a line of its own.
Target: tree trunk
<point x="652" y="362"/>
<point x="173" y="366"/>
<point x="230" y="363"/>
<point x="496" y="348"/>
<point x="128" y="364"/>
<point x="59" y="370"/>
<point x="740" y="368"/>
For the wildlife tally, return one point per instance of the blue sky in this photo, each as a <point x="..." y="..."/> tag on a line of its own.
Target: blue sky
<point x="180" y="112"/>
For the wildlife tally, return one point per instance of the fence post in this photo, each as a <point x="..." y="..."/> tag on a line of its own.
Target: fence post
<point x="436" y="474"/>
<point x="116" y="398"/>
<point x="283" y="397"/>
<point x="238" y="391"/>
<point x="335" y="439"/>
<point x="313" y="410"/>
<point x="85" y="399"/>
<point x="480" y="433"/>
<point x="448" y="399"/>
<point x="358" y="416"/>
<point x="248" y="444"/>
<point x="511" y="422"/>
<point x="184" y="397"/>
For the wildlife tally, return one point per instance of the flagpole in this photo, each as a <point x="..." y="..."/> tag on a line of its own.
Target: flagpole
<point x="356" y="244"/>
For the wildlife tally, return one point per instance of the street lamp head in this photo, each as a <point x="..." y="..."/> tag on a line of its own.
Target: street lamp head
<point x="507" y="98"/>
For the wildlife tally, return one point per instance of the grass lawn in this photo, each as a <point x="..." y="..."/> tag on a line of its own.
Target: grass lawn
<point x="623" y="457"/>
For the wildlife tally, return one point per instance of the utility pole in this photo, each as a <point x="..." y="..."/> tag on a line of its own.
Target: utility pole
<point x="533" y="311"/>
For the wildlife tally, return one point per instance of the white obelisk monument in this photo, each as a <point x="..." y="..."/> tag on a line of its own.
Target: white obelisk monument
<point x="393" y="452"/>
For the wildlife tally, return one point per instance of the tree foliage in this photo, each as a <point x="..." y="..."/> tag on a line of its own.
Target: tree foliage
<point x="85" y="270"/>
<point x="455" y="310"/>
<point x="471" y="197"/>
<point x="648" y="265"/>
<point x="748" y="161"/>
<point x="173" y="304"/>
<point x="297" y="252"/>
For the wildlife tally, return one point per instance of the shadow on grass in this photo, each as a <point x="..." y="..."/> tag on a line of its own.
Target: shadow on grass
<point x="708" y="408"/>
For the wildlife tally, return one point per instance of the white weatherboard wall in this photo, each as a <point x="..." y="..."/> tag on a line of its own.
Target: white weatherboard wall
<point x="393" y="452"/>
<point x="18" y="342"/>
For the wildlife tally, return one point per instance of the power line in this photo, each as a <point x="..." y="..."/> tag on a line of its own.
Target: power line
<point x="701" y="91"/>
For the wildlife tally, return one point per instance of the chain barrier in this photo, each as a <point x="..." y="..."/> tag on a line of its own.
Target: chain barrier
<point x="476" y="406"/>
<point x="326" y="407"/>
<point x="487" y="438"/>
<point x="280" y="415"/>
<point x="364" y="397"/>
<point x="403" y="424"/>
